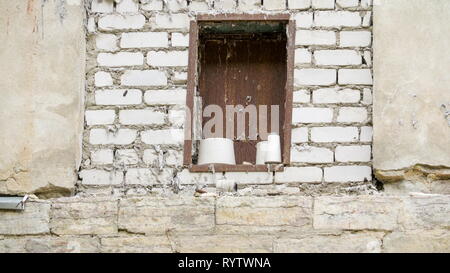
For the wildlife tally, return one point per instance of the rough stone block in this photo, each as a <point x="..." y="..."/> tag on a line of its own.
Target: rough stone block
<point x="33" y="220"/>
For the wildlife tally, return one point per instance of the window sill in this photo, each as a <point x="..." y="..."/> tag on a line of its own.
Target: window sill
<point x="236" y="168"/>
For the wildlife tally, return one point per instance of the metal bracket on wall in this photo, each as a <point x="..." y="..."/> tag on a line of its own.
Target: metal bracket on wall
<point x="13" y="202"/>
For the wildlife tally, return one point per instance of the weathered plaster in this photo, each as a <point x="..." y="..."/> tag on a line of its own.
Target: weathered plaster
<point x="42" y="68"/>
<point x="411" y="83"/>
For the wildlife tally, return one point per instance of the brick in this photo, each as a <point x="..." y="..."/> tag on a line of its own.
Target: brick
<point x="335" y="95"/>
<point x="366" y="3"/>
<point x="174" y="157"/>
<point x="352" y="114"/>
<point x="356" y="212"/>
<point x="166" y="136"/>
<point x="101" y="177"/>
<point x="50" y="244"/>
<point x="337" y="19"/>
<point x="337" y="57"/>
<point x="248" y="5"/>
<point x="366" y="134"/>
<point x="106" y="42"/>
<point x="347" y="3"/>
<point x="126" y="157"/>
<point x="143" y="78"/>
<point x="180" y="39"/>
<point x="139" y="176"/>
<point x="152" y="5"/>
<point x="312" y="115"/>
<point x="165" y="97"/>
<point x="224" y="4"/>
<point x="121" y="22"/>
<point x="174" y="6"/>
<point x="311" y="154"/>
<point x="103" y="79"/>
<point x="315" y="37"/>
<point x="250" y="177"/>
<point x="367" y="19"/>
<point x="120" y="59"/>
<point x="135" y="244"/>
<point x="368" y="57"/>
<point x="102" y="6"/>
<point x="355" y="76"/>
<point x="144" y="39"/>
<point x="355" y="38"/>
<point x="334" y="134"/>
<point x="347" y="173"/>
<point x="179" y="77"/>
<point x="303" y="19"/>
<point x="173" y="21"/>
<point x="33" y="220"/>
<point x="367" y="96"/>
<point x="299" y="4"/>
<point x="301" y="96"/>
<point x="313" y="76"/>
<point x="225" y="243"/>
<point x="274" y="4"/>
<point x="171" y="58"/>
<point x="140" y="117"/>
<point x="302" y="56"/>
<point x="299" y="135"/>
<point x="427" y="211"/>
<point x="177" y="117"/>
<point x="125" y="6"/>
<point x="353" y="153"/>
<point x="264" y="211"/>
<point x="417" y="241"/>
<point x="121" y="137"/>
<point x="299" y="174"/>
<point x="98" y="117"/>
<point x="91" y="25"/>
<point x="323" y="4"/>
<point x="156" y="215"/>
<point x="150" y="157"/>
<point x="118" y="97"/>
<point x="102" y="156"/>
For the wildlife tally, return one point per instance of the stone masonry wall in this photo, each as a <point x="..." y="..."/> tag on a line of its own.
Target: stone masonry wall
<point x="136" y="73"/>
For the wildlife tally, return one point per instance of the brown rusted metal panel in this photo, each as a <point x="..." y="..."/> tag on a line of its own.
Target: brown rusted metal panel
<point x="243" y="17"/>
<point x="289" y="92"/>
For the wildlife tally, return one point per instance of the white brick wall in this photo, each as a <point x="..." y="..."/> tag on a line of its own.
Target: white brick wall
<point x="144" y="39"/>
<point x="98" y="117"/>
<point x="299" y="4"/>
<point x="171" y="58"/>
<point x="347" y="3"/>
<point x="102" y="6"/>
<point x="103" y="79"/>
<point x="173" y="21"/>
<point x="311" y="154"/>
<point x="106" y="42"/>
<point x="312" y="76"/>
<point x="355" y="38"/>
<point x="355" y="76"/>
<point x="126" y="157"/>
<point x="335" y="95"/>
<point x="299" y="135"/>
<point x="121" y="22"/>
<point x="323" y="4"/>
<point x="127" y="6"/>
<point x="103" y="136"/>
<point x="302" y="56"/>
<point x="102" y="156"/>
<point x="140" y="117"/>
<point x="120" y="59"/>
<point x="315" y="37"/>
<point x="164" y="97"/>
<point x="299" y="174"/>
<point x="118" y="97"/>
<point x="312" y="115"/>
<point x="303" y="19"/>
<point x="366" y="134"/>
<point x="347" y="173"/>
<point x="180" y="39"/>
<point x="101" y="177"/>
<point x="337" y="57"/>
<point x="337" y="19"/>
<point x="139" y="176"/>
<point x="152" y="5"/>
<point x="169" y="136"/>
<point x="353" y="153"/>
<point x="274" y="4"/>
<point x="352" y="114"/>
<point x="143" y="78"/>
<point x="301" y="96"/>
<point x="334" y="134"/>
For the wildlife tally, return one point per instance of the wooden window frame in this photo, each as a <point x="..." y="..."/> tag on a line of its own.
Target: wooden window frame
<point x="192" y="84"/>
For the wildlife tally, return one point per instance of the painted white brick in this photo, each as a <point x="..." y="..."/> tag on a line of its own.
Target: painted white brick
<point x="139" y="117"/>
<point x="250" y="177"/>
<point x="152" y="5"/>
<point x="366" y="3"/>
<point x="299" y="4"/>
<point x="179" y="77"/>
<point x="121" y="137"/>
<point x="352" y="114"/>
<point x="310" y="154"/>
<point x="102" y="78"/>
<point x="315" y="37"/>
<point x="274" y="4"/>
<point x="174" y="157"/>
<point x="173" y="21"/>
<point x="347" y="173"/>
<point x="353" y="153"/>
<point x="164" y="97"/>
<point x="180" y="39"/>
<point x="335" y="95"/>
<point x="102" y="6"/>
<point x="150" y="157"/>
<point x="121" y="22"/>
<point x="299" y="174"/>
<point x="144" y="39"/>
<point x="302" y="56"/>
<point x="171" y="58"/>
<point x="197" y="6"/>
<point x="303" y="19"/>
<point x="106" y="42"/>
<point x="224" y="5"/>
<point x="337" y="19"/>
<point x="140" y="176"/>
<point x="355" y="76"/>
<point x="176" y="117"/>
<point x="166" y="136"/>
<point x="368" y="57"/>
<point x="126" y="157"/>
<point x="355" y="38"/>
<point x="125" y="6"/>
<point x="312" y="76"/>
<point x="143" y="78"/>
<point x="347" y="3"/>
<point x="101" y="177"/>
<point x="334" y="134"/>
<point x="366" y="134"/>
<point x="103" y="156"/>
<point x="96" y="117"/>
<point x="323" y="4"/>
<point x="367" y="96"/>
<point x="175" y="6"/>
<point x="301" y="96"/>
<point x="337" y="57"/>
<point x="312" y="115"/>
<point x="367" y="19"/>
<point x="91" y="25"/>
<point x="120" y="59"/>
<point x="299" y="135"/>
<point x="118" y="97"/>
